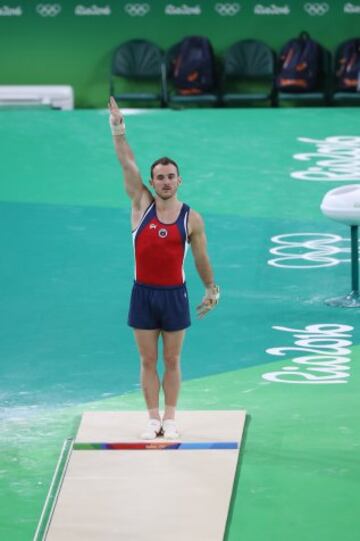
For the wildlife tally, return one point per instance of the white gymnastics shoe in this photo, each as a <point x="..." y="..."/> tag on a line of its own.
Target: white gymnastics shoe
<point x="170" y="430"/>
<point x="153" y="430"/>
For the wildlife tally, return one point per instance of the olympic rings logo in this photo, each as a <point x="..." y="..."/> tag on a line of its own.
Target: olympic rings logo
<point x="319" y="247"/>
<point x="227" y="10"/>
<point x="317" y="8"/>
<point x="48" y="10"/>
<point x="137" y="10"/>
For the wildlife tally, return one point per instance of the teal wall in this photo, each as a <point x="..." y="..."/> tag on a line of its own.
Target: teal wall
<point x="58" y="42"/>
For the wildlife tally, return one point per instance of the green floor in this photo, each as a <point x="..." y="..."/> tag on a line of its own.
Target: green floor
<point x="66" y="273"/>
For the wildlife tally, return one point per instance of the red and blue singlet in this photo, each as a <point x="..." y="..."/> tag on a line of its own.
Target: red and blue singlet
<point x="160" y="249"/>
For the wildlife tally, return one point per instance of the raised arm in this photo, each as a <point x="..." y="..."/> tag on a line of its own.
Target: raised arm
<point x="202" y="263"/>
<point x="135" y="188"/>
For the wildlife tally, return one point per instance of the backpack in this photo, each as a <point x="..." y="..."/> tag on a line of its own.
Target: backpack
<point x="348" y="65"/>
<point x="194" y="66"/>
<point x="300" y="62"/>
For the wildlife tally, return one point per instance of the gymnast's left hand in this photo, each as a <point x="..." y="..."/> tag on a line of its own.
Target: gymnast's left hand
<point x="211" y="299"/>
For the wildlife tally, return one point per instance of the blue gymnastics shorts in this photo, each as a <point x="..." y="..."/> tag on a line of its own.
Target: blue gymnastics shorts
<point x="165" y="308"/>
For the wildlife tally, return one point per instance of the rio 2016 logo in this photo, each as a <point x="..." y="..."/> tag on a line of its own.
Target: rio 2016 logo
<point x="324" y="355"/>
<point x="273" y="9"/>
<point x="337" y="158"/>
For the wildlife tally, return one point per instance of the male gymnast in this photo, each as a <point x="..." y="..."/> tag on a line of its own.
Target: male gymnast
<point x="162" y="229"/>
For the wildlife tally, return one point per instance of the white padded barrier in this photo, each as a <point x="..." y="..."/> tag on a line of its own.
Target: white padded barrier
<point x="54" y="96"/>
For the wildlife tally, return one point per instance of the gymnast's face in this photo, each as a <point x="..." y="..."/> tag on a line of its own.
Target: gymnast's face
<point x="165" y="180"/>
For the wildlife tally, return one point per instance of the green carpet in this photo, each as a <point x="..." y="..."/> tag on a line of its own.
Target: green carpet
<point x="66" y="276"/>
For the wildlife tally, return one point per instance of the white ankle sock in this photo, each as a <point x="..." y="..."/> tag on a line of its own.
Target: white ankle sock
<point x="154" y="413"/>
<point x="169" y="412"/>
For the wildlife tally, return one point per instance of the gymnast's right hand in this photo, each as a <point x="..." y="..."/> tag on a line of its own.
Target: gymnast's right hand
<point x="117" y="122"/>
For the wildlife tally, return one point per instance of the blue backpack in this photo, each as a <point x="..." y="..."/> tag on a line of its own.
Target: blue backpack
<point x="194" y="71"/>
<point x="300" y="63"/>
<point x="348" y="65"/>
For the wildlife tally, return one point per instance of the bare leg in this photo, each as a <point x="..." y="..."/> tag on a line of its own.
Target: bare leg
<point x="147" y="343"/>
<point x="172" y="377"/>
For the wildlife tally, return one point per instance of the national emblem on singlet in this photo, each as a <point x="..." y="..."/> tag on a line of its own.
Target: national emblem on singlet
<point x="160" y="249"/>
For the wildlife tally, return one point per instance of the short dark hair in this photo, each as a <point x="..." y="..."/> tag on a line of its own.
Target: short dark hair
<point x="164" y="161"/>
